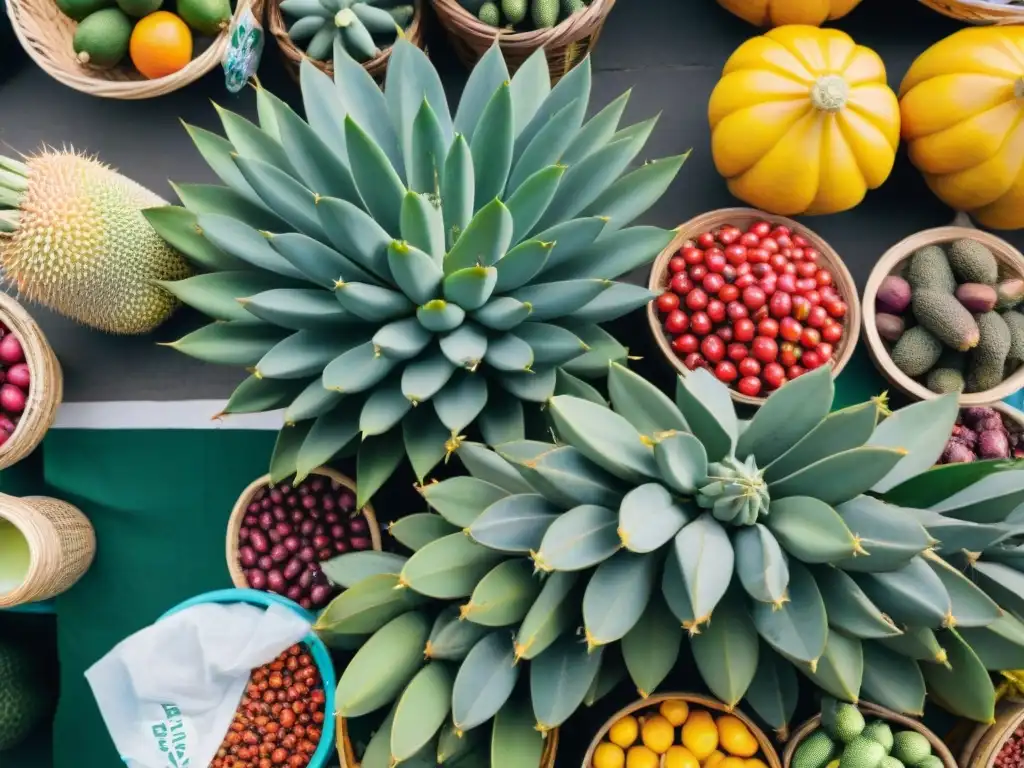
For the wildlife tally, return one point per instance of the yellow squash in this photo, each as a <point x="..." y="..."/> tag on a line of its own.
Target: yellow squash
<point x="802" y="121"/>
<point x="962" y="104"/>
<point x="775" y="13"/>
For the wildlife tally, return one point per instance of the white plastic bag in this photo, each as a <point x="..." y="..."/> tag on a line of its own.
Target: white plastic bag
<point x="168" y="693"/>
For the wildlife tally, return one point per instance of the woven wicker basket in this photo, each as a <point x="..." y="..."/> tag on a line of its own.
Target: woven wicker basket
<point x="46" y="34"/>
<point x="985" y="741"/>
<point x="565" y="44"/>
<point x="238" y="514"/>
<point x="293" y="56"/>
<point x="978" y="11"/>
<point x="61" y="544"/>
<point x="46" y="390"/>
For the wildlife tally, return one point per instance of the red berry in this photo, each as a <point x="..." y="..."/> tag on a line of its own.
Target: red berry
<point x="706" y="240"/>
<point x="750" y="386"/>
<point x="801" y="308"/>
<point x="835" y="307"/>
<point x="780" y="305"/>
<point x="736" y="351"/>
<point x="789" y="269"/>
<point x="823" y="277"/>
<point x="800" y="241"/>
<point x="715" y="259"/>
<point x="816" y="317"/>
<point x="748" y="366"/>
<point x="725" y="372"/>
<point x="778" y="261"/>
<point x="743" y="328"/>
<point x="773" y="375"/>
<point x="724" y="333"/>
<point x="828" y="292"/>
<point x="760" y="314"/>
<point x="761" y="270"/>
<point x="768" y="285"/>
<point x="764" y="349"/>
<point x="810" y="338"/>
<point x="736" y="254"/>
<point x="758" y="256"/>
<point x="728" y="292"/>
<point x="728" y="235"/>
<point x="735" y="310"/>
<point x="698" y="272"/>
<point x="786" y="283"/>
<point x="745" y="281"/>
<point x="753" y="297"/>
<point x="696" y="299"/>
<point x="700" y="323"/>
<point x="667" y="302"/>
<point x="750" y="240"/>
<point x="680" y="283"/>
<point x="795" y="371"/>
<point x="676" y="322"/>
<point x="730" y="272"/>
<point x="716" y="311"/>
<point x="806" y="268"/>
<point x="832" y="333"/>
<point x="712" y="282"/>
<point x="694" y="361"/>
<point x="742" y="269"/>
<point x="789" y="353"/>
<point x="685" y="344"/>
<point x="811" y="360"/>
<point x="811" y="254"/>
<point x="770" y="244"/>
<point x="760" y="228"/>
<point x="814" y="297"/>
<point x="768" y="327"/>
<point x="713" y="348"/>
<point x="676" y="264"/>
<point x="824" y="350"/>
<point x="693" y="256"/>
<point x="790" y="329"/>
<point x="781" y="236"/>
<point x="805" y="284"/>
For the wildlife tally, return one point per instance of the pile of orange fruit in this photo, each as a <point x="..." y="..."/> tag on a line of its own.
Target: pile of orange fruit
<point x="674" y="735"/>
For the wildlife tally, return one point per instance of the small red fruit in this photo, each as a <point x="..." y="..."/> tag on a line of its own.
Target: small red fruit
<point x="698" y="272"/>
<point x="735" y="310"/>
<point x="748" y="366"/>
<point x="761" y="270"/>
<point x="728" y="235"/>
<point x="685" y="344"/>
<point x="725" y="372"/>
<point x="750" y="240"/>
<point x="778" y="261"/>
<point x="795" y="371"/>
<point x="760" y="314"/>
<point x="789" y="269"/>
<point x="680" y="283"/>
<point x="811" y="254"/>
<point x="745" y="280"/>
<point x="712" y="283"/>
<point x="736" y="254"/>
<point x="706" y="240"/>
<point x="770" y="244"/>
<point x="773" y="375"/>
<point x="768" y="285"/>
<point x="743" y="329"/>
<point x="832" y="333"/>
<point x="768" y="327"/>
<point x="667" y="302"/>
<point x="730" y="272"/>
<point x="724" y="333"/>
<point x="693" y="256"/>
<point x="805" y="284"/>
<point x="758" y="256"/>
<point x="742" y="269"/>
<point x="816" y="317"/>
<point x="824" y="350"/>
<point x="736" y="351"/>
<point x="764" y="349"/>
<point x="781" y="236"/>
<point x="806" y="268"/>
<point x="728" y="292"/>
<point x="790" y="329"/>
<point x="694" y="361"/>
<point x="823" y="277"/>
<point x="801" y="241"/>
<point x="789" y="353"/>
<point x="715" y="260"/>
<point x="801" y="308"/>
<point x="750" y="386"/>
<point x="810" y="338"/>
<point x="700" y="323"/>
<point x="786" y="283"/>
<point x="835" y="307"/>
<point x="676" y="322"/>
<point x="781" y="304"/>
<point x="696" y="299"/>
<point x="713" y="348"/>
<point x="753" y="297"/>
<point x="811" y="360"/>
<point x="716" y="310"/>
<point x="676" y="264"/>
<point x="760" y="228"/>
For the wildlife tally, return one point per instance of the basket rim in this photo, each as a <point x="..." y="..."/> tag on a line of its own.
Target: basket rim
<point x="470" y="25"/>
<point x="1005" y="253"/>
<point x="844" y="281"/>
<point x="231" y="544"/>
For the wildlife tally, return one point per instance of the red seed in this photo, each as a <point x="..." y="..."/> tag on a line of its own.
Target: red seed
<point x="685" y="344"/>
<point x="773" y="375"/>
<point x="676" y="264"/>
<point x="790" y="329"/>
<point x="10" y="350"/>
<point x="725" y="372"/>
<point x="265" y="562"/>
<point x="247" y="557"/>
<point x="694" y="361"/>
<point x="748" y="366"/>
<point x="700" y="323"/>
<point x="749" y="385"/>
<point x="259" y="542"/>
<point x="764" y="349"/>
<point x="832" y="333"/>
<point x="713" y="348"/>
<point x="257" y="579"/>
<point x="736" y="352"/>
<point x="19" y="376"/>
<point x="677" y="322"/>
<point x="360" y="542"/>
<point x="667" y="302"/>
<point x="12" y="399"/>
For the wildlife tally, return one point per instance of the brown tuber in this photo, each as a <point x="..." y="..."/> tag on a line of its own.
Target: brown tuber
<point x="976" y="297"/>
<point x="890" y="327"/>
<point x="893" y="295"/>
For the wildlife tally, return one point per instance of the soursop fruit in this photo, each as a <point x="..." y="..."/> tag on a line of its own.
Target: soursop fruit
<point x="22" y="701"/>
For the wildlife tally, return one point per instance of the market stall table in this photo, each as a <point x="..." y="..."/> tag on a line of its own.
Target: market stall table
<point x="135" y="446"/>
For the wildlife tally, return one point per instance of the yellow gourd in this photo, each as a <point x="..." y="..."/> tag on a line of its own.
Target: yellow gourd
<point x="775" y="13"/>
<point x="803" y="121"/>
<point x="962" y="106"/>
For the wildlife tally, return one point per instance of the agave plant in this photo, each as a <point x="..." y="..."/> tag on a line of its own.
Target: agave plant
<point x="768" y="545"/>
<point x="391" y="274"/>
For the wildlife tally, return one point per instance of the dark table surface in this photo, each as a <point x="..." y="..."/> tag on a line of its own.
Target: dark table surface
<point x="670" y="52"/>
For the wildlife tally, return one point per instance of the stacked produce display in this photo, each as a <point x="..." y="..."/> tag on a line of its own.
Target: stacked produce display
<point x="523" y="14"/>
<point x="16" y="379"/>
<point x="360" y="27"/>
<point x="983" y="433"/>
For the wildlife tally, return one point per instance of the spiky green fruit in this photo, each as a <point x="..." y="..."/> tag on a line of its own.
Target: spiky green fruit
<point x="910" y="747"/>
<point x="815" y="751"/>
<point x="879" y="730"/>
<point x="79" y="244"/>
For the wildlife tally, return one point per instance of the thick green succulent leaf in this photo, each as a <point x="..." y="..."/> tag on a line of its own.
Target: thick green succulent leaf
<point x="550" y="301"/>
<point x="676" y="592"/>
<point x="1000" y="645"/>
<point x="954" y="535"/>
<point x="649" y="517"/>
<point x="560" y="679"/>
<point x="457" y="190"/>
<point x="707" y="407"/>
<point x="378" y="749"/>
<point x="265" y="102"/>
<point x="425" y="376"/>
<point x="304" y="353"/>
<point x="616" y="253"/>
<point x="774" y="691"/>
<point x="571" y="238"/>
<point x="300" y="309"/>
<point x="604" y="437"/>
<point x="651" y="648"/>
<point x="681" y="460"/>
<point x="799" y="628"/>
<point x="531" y="198"/>
<point x="356" y="234"/>
<point x="424" y="162"/>
<point x="378" y="458"/>
<point x="324" y="110"/>
<point x="508" y="353"/>
<point x="555" y="611"/>
<point x="578" y="539"/>
<point x="551" y="344"/>
<point x="484" y="464"/>
<point x="892" y="681"/>
<point x="372" y="303"/>
<point x="849" y="609"/>
<point x="230" y="343"/>
<point x="918" y="643"/>
<point x="619" y="300"/>
<point x="451" y="639"/>
<point x="530" y="85"/>
<point x="603" y="350"/>
<point x="840" y="669"/>
<point x="245" y="243"/>
<point x="485" y="681"/>
<point x="641" y="403"/>
<point x="491" y="147"/>
<point x="448" y="568"/>
<point x="566" y="477"/>
<point x="464" y="347"/>
<point x="422" y="225"/>
<point x="453" y="745"/>
<point x="761" y="564"/>
<point x="633" y="194"/>
<point x="888" y="537"/>
<point x="503" y="596"/>
<point x="180" y="228"/>
<point x="990" y="500"/>
<point x="217" y="294"/>
<point x="353" y="567"/>
<point x="840" y="431"/>
<point x="548" y="145"/>
<point x="612" y="672"/>
<point x="412" y="82"/>
<point x="941" y="482"/>
<point x="379" y="184"/>
<point x="912" y="595"/>
<point x="574" y="86"/>
<point x="319" y="263"/>
<point x="357" y="370"/>
<point x="787" y="416"/>
<point x="616" y="596"/>
<point x="402" y="339"/>
<point x="597" y="131"/>
<point x="921" y="430"/>
<point x="366" y="606"/>
<point x="286" y="450"/>
<point x="965" y="688"/>
<point x="520" y="265"/>
<point x="217" y="152"/>
<point x="502" y="313"/>
<point x="364" y="104"/>
<point x="470" y="288"/>
<point x="1002" y="582"/>
<point x="515" y="523"/>
<point x="489" y="74"/>
<point x="567" y="384"/>
<point x="251" y="142"/>
<point x="426" y="440"/>
<point x="414" y="272"/>
<point x="313" y="401"/>
<point x="483" y="241"/>
<point x="840" y="477"/>
<point x="421" y="711"/>
<point x="255" y="395"/>
<point x="418" y="530"/>
<point x="810" y="530"/>
<point x="502" y="419"/>
<point x="726" y="650"/>
<point x="515" y="743"/>
<point x="292" y="201"/>
<point x="213" y="199"/>
<point x="460" y="402"/>
<point x="705" y="555"/>
<point x="330" y="433"/>
<point x="969" y="606"/>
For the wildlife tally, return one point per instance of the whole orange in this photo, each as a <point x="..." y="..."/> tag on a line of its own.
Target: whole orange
<point x="160" y="45"/>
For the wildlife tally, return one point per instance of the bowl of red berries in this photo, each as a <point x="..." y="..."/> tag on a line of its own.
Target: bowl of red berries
<point x="756" y="299"/>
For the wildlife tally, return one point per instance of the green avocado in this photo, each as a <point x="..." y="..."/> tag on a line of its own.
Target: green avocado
<point x="916" y="352"/>
<point x="929" y="270"/>
<point x="972" y="262"/>
<point x="207" y="17"/>
<point x="139" y="8"/>
<point x="101" y="39"/>
<point x="989" y="357"/>
<point x="79" y="9"/>
<point x="946" y="318"/>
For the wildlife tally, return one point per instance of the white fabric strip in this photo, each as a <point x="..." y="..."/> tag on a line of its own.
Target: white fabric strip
<point x="153" y="414"/>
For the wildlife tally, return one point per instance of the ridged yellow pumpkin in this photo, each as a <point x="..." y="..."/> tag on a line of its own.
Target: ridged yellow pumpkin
<point x="962" y="105"/>
<point x="802" y="121"/>
<point x="775" y="13"/>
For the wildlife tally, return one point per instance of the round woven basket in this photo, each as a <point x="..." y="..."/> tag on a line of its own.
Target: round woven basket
<point x="983" y="745"/>
<point x="978" y="12"/>
<point x="61" y="546"/>
<point x="45" y="391"/>
<point x="743" y="218"/>
<point x="293" y="55"/>
<point x="771" y="757"/>
<point x="1011" y="263"/>
<point x="939" y="749"/>
<point x="46" y="35"/>
<point x="238" y="514"/>
<point x="565" y="44"/>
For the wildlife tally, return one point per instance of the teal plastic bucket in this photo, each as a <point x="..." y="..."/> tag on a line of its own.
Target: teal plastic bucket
<point x="325" y="749"/>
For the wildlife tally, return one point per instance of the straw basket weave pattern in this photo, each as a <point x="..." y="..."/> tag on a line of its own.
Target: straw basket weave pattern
<point x="46" y="35"/>
<point x="46" y="389"/>
<point x="61" y="544"/>
<point x="565" y="44"/>
<point x="293" y="55"/>
<point x="974" y="12"/>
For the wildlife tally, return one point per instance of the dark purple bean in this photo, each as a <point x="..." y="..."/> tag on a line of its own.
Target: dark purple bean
<point x="360" y="542"/>
<point x="284" y="488"/>
<point x="253" y="508"/>
<point x="297" y="516"/>
<point x="306" y="578"/>
<point x="247" y="557"/>
<point x="347" y="501"/>
<point x="266" y="521"/>
<point x="325" y="554"/>
<point x="292" y="501"/>
<point x="251" y="520"/>
<point x="243" y="534"/>
<point x="279" y="554"/>
<point x="320" y="594"/>
<point x="358" y="525"/>
<point x="308" y="502"/>
<point x="266" y="504"/>
<point x="292" y="544"/>
<point x="307" y="527"/>
<point x="280" y="515"/>
<point x="293" y="569"/>
<point x="303" y="490"/>
<point x="274" y="536"/>
<point x="319" y="530"/>
<point x="276" y="496"/>
<point x="327" y="504"/>
<point x="293" y="593"/>
<point x="316" y="484"/>
<point x="275" y="582"/>
<point x="341" y="546"/>
<point x="337" y="532"/>
<point x="331" y="518"/>
<point x="259" y="541"/>
<point x="320" y="541"/>
<point x="307" y="554"/>
<point x="257" y="579"/>
<point x="306" y="603"/>
<point x="265" y="562"/>
<point x="260" y="493"/>
<point x="284" y="529"/>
